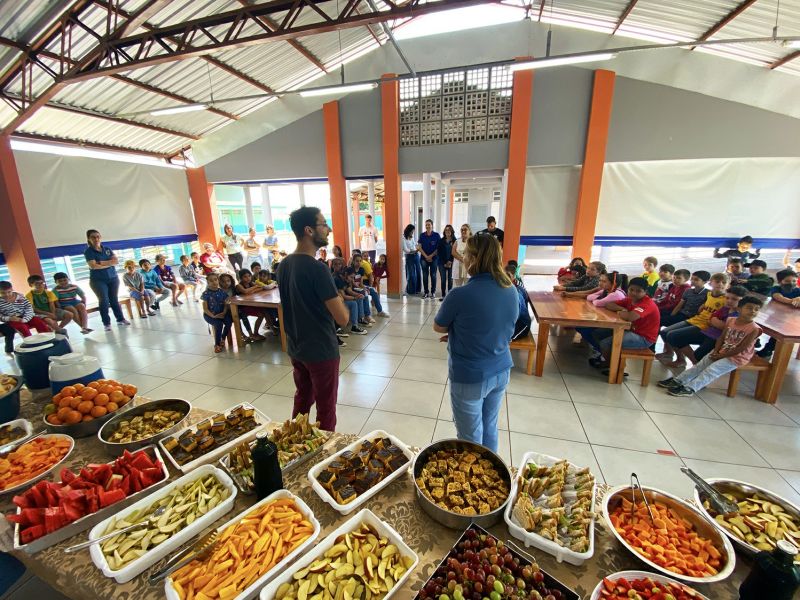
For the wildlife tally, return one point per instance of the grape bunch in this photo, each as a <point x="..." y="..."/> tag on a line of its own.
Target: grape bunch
<point x="481" y="567"/>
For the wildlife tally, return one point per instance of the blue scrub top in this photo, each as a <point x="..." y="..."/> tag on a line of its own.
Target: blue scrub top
<point x="107" y="274"/>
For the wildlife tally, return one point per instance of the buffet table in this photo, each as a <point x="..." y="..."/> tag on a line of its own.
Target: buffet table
<point x="783" y="323"/>
<point x="265" y="299"/>
<point x="76" y="576"/>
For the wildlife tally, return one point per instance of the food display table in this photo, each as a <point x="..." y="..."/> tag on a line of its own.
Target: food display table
<point x="551" y="308"/>
<point x="265" y="299"/>
<point x="783" y="323"/>
<point x="76" y="576"/>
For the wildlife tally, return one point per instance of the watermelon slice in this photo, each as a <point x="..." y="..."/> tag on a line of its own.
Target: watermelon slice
<point x="107" y="498"/>
<point x="31" y="533"/>
<point x="141" y="461"/>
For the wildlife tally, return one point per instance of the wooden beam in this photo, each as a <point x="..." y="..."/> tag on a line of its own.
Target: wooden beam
<point x="782" y="61"/>
<point x="624" y="15"/>
<point x="725" y="20"/>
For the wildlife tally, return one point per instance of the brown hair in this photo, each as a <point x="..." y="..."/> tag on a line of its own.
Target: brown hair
<point x="719" y="277"/>
<point x="486" y="256"/>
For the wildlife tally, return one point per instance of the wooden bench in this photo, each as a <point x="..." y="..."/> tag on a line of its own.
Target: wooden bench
<point x="125" y="302"/>
<point x="526" y="343"/>
<point x="756" y="364"/>
<point x="643" y="354"/>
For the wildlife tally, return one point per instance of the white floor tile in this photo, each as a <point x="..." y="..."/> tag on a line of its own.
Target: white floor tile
<point x="793" y="477"/>
<point x="593" y="388"/>
<point x="744" y="409"/>
<point x="446" y="410"/>
<point x="174" y="365"/>
<point x="373" y="363"/>
<point x="414" y="431"/>
<point x="542" y="416"/>
<point x="655" y="399"/>
<point x="278" y="408"/>
<point x="549" y="385"/>
<point x="174" y="388"/>
<point x="417" y="368"/>
<point x="428" y="349"/>
<point x="357" y="389"/>
<point x="621" y="428"/>
<point x="284" y="386"/>
<point x="653" y="470"/>
<point x="212" y="372"/>
<point x="780" y="446"/>
<point x="221" y="398"/>
<point x="145" y="383"/>
<point x="418" y="398"/>
<point x="389" y="344"/>
<point x="256" y="377"/>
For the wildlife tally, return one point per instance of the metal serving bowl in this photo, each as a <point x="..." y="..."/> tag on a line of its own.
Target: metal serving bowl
<point x="741" y="490"/>
<point x="82" y="429"/>
<point x="110" y="426"/>
<point x="446" y="517"/>
<point x="685" y="510"/>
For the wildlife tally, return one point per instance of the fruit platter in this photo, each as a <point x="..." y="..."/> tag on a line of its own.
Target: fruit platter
<point x="191" y="504"/>
<point x="763" y="519"/>
<point x="627" y="585"/>
<point x="353" y="475"/>
<point x="50" y="512"/>
<point x="249" y="550"/>
<point x="33" y="460"/>
<point x="480" y="565"/>
<point x="363" y="558"/>
<point x="678" y="540"/>
<point x="80" y="410"/>
<point x="551" y="507"/>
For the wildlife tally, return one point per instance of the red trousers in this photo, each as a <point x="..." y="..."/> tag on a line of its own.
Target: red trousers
<point x="24" y="329"/>
<point x="317" y="383"/>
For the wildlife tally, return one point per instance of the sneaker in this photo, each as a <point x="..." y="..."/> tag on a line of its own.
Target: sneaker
<point x="142" y="316"/>
<point x="365" y="323"/>
<point x="384" y="314"/>
<point x="63" y="332"/>
<point x="668" y="383"/>
<point x="441" y="299"/>
<point x="665" y="357"/>
<point x="598" y="362"/>
<point x="106" y="327"/>
<point x="355" y="329"/>
<point x="151" y="313"/>
<point x="425" y="296"/>
<point x="156" y="306"/>
<point x="123" y="322"/>
<point x="342" y="343"/>
<point x="371" y="319"/>
<point x="85" y="330"/>
<point x="681" y="390"/>
<point x="765" y="354"/>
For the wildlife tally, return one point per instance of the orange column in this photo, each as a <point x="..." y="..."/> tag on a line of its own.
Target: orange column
<point x="450" y="202"/>
<point x="338" y="186"/>
<point x="594" y="158"/>
<point x="517" y="160"/>
<point x="392" y="199"/>
<point x="16" y="235"/>
<point x="204" y="206"/>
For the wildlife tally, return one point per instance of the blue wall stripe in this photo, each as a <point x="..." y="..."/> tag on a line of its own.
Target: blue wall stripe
<point x="669" y="242"/>
<point x="274" y="181"/>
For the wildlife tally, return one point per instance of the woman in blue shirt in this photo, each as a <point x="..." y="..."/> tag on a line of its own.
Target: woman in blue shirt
<point x="103" y="278"/>
<point x="445" y="255"/>
<point x="479" y="319"/>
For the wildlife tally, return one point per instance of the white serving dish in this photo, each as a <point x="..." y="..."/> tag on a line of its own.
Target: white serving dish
<point x="84" y="523"/>
<point x="537" y="541"/>
<point x="346" y="509"/>
<point x="261" y="419"/>
<point x="631" y="575"/>
<point x="48" y="471"/>
<point x="144" y="562"/>
<point x="252" y="590"/>
<point x="688" y="511"/>
<point x="364" y="516"/>
<point x="26" y="426"/>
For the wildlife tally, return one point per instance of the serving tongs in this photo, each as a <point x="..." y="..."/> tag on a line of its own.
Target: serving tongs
<point x="717" y="500"/>
<point x="200" y="549"/>
<point x="11" y="446"/>
<point x="634" y="476"/>
<point x="149" y="521"/>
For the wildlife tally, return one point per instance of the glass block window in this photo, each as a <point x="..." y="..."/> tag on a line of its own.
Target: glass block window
<point x="470" y="105"/>
<point x="460" y="196"/>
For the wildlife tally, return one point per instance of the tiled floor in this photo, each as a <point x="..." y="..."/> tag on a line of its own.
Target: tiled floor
<point x="395" y="378"/>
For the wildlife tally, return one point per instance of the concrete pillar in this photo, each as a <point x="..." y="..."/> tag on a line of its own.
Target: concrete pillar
<point x="438" y="217"/>
<point x="248" y="207"/>
<point x="501" y="218"/>
<point x="426" y="197"/>
<point x="266" y="205"/>
<point x="204" y="206"/>
<point x="301" y="191"/>
<point x="371" y="197"/>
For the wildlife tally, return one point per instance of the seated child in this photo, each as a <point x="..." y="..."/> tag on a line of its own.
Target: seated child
<point x="736" y="272"/>
<point x="680" y="335"/>
<point x="612" y="289"/>
<point x="17" y="312"/>
<point x="164" y="271"/>
<point x="742" y="251"/>
<point x="72" y="299"/>
<point x="265" y="280"/>
<point x="691" y="300"/>
<point x="189" y="276"/>
<point x="44" y="305"/>
<point x="661" y="287"/>
<point x="357" y="288"/>
<point x="580" y="287"/>
<point x="786" y="292"/>
<point x="197" y="266"/>
<point x="352" y="300"/>
<point x="638" y="309"/>
<point x="669" y="301"/>
<point x="717" y="323"/>
<point x="215" y="311"/>
<point x="759" y="282"/>
<point x="733" y="349"/>
<point x="379" y="271"/>
<point x="255" y="268"/>
<point x="576" y="268"/>
<point x="143" y="297"/>
<point x="245" y="287"/>
<point x="523" y="324"/>
<point x="649" y="264"/>
<point x="153" y="283"/>
<point x="362" y="270"/>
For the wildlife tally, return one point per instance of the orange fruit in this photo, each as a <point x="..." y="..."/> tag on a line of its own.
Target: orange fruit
<point x="63" y="412"/>
<point x="106" y="388"/>
<point x="124" y="401"/>
<point x="112" y="406"/>
<point x="78" y="386"/>
<point x="68" y="390"/>
<point x="87" y="418"/>
<point x="56" y="398"/>
<point x="73" y="417"/>
<point x="94" y="385"/>
<point x="85" y="407"/>
<point x="129" y="390"/>
<point x="88" y="393"/>
<point x="53" y="419"/>
<point x="101" y="399"/>
<point x="75" y="401"/>
<point x="99" y="411"/>
<point x="116" y="396"/>
<point x="65" y="400"/>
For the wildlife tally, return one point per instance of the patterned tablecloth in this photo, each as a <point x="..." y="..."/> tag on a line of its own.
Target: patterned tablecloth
<point x="76" y="576"/>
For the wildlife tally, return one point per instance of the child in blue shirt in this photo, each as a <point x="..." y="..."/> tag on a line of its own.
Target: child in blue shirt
<point x="216" y="311"/>
<point x="153" y="283"/>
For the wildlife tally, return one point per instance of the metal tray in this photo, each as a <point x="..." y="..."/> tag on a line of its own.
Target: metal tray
<point x="92" y="519"/>
<point x="633" y="575"/>
<point x="48" y="471"/>
<point x="526" y="559"/>
<point x="110" y="426"/>
<point x="26" y="426"/>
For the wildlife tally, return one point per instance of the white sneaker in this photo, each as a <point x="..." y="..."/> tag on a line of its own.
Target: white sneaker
<point x="384" y="314"/>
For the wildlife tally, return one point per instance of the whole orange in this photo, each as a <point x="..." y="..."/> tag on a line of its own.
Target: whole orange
<point x="112" y="406"/>
<point x="99" y="411"/>
<point x="85" y="407"/>
<point x="63" y="412"/>
<point x="75" y="401"/>
<point x="68" y="390"/>
<point x="88" y="393"/>
<point x="129" y="390"/>
<point x="73" y="417"/>
<point x="87" y="418"/>
<point x="101" y="399"/>
<point x="53" y="419"/>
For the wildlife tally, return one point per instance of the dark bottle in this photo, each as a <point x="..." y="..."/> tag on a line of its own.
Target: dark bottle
<point x="266" y="470"/>
<point x="774" y="575"/>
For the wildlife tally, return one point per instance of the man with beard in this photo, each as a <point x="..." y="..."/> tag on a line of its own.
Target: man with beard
<point x="311" y="309"/>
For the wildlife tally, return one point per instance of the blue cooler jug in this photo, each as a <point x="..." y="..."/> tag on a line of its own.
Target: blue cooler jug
<point x="33" y="357"/>
<point x="72" y="368"/>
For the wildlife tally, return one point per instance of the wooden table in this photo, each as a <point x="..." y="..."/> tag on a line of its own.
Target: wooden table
<point x="551" y="308"/>
<point x="264" y="299"/>
<point x="782" y="322"/>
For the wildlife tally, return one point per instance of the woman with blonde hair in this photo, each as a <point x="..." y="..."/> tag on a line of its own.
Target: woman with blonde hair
<point x="459" y="270"/>
<point x="479" y="320"/>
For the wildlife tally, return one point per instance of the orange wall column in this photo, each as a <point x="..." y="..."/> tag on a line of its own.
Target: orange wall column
<point x="392" y="203"/>
<point x="338" y="186"/>
<point x="204" y="207"/>
<point x="594" y="158"/>
<point x="517" y="160"/>
<point x="19" y="247"/>
<point x="450" y="203"/>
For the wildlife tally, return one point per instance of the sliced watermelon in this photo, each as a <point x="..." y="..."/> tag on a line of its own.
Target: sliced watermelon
<point x="114" y="482"/>
<point x="22" y="501"/>
<point x="141" y="461"/>
<point x="151" y="476"/>
<point x="107" y="498"/>
<point x="30" y="534"/>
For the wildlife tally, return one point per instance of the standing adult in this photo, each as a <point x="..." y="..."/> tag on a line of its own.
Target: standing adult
<point x="428" y="246"/>
<point x="252" y="248"/>
<point x="270" y="244"/>
<point x="493" y="230"/>
<point x="479" y="319"/>
<point x="232" y="245"/>
<point x="311" y="309"/>
<point x="413" y="268"/>
<point x="103" y="278"/>
<point x="212" y="261"/>
<point x="368" y="239"/>
<point x="445" y="255"/>
<point x="459" y="268"/>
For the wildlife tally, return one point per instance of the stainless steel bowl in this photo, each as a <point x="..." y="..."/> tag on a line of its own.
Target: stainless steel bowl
<point x="741" y="490"/>
<point x="446" y="517"/>
<point x="687" y="511"/>
<point x="84" y="428"/>
<point x="110" y="426"/>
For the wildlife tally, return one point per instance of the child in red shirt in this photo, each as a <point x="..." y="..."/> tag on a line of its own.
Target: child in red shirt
<point x="379" y="271"/>
<point x="668" y="301"/>
<point x="576" y="268"/>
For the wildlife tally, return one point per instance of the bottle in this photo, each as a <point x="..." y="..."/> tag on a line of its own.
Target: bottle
<point x="774" y="575"/>
<point x="266" y="470"/>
